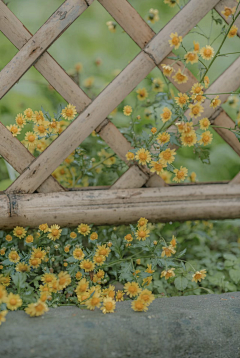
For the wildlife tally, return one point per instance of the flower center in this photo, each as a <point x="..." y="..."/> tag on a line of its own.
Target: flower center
<point x="180" y="175"/>
<point x="31" y="138"/>
<point x="13" y="301"/>
<point x="108" y="305"/>
<point x="69" y="112"/>
<point x="175" y="40"/>
<point x="143" y="156"/>
<point x="55" y="232"/>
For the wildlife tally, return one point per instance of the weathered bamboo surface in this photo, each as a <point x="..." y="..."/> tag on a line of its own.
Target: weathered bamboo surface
<point x="14" y="152"/>
<point x="109" y="99"/>
<point x="113" y="207"/>
<point x="66" y="14"/>
<point x="132" y="178"/>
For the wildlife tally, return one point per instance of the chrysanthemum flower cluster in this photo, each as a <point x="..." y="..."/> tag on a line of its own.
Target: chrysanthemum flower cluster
<point x="51" y="266"/>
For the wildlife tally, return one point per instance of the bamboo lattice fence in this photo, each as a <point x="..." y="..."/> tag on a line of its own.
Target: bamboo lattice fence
<point x="36" y="197"/>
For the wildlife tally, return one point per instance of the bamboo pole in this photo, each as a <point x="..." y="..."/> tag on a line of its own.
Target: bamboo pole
<point x="113" y="207"/>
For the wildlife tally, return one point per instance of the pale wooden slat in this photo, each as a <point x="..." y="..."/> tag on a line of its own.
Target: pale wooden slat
<point x="134" y="177"/>
<point x="19" y="158"/>
<point x="235" y="180"/>
<point x="111" y="207"/>
<point x="106" y="101"/>
<point x="67" y="13"/>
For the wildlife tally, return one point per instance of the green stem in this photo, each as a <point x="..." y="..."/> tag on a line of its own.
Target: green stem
<point x="219" y="49"/>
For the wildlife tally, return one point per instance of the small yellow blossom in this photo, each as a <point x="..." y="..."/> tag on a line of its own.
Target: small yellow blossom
<point x="87" y="265"/>
<point x="8" y="238"/>
<point x="13" y="301"/>
<point x="2" y="316"/>
<point x="228" y="11"/>
<point x="175" y="40"/>
<point x="36" y="309"/>
<point x="147" y="297"/>
<point x="43" y="227"/>
<point x="142" y="234"/>
<point x="130" y="156"/>
<point x="69" y="112"/>
<point x="157" y="167"/>
<point x="28" y="114"/>
<point x="78" y="254"/>
<point x="54" y="232"/>
<point x="163" y="138"/>
<point x="132" y="289"/>
<point x="233" y="31"/>
<point x="143" y="156"/>
<point x="84" y="229"/>
<point x="168" y="273"/>
<point x="167" y="156"/>
<point x="168" y="251"/>
<point x="191" y="57"/>
<point x="111" y="26"/>
<point x="180" y="174"/>
<point x="189" y="139"/>
<point x="153" y="16"/>
<point x="196" y="46"/>
<point x="206" y="138"/>
<point x="199" y="275"/>
<point x="142" y="94"/>
<point x="204" y="123"/>
<point x="139" y="305"/>
<point x="167" y="70"/>
<point x="157" y="85"/>
<point x="180" y="77"/>
<point x="13" y="256"/>
<point x="215" y="102"/>
<point x="109" y="305"/>
<point x="182" y="99"/>
<point x="166" y="115"/>
<point x="171" y="3"/>
<point x="195" y="110"/>
<point x="193" y="177"/>
<point x="127" y="110"/>
<point x="19" y="232"/>
<point x="207" y="52"/>
<point x="206" y="81"/>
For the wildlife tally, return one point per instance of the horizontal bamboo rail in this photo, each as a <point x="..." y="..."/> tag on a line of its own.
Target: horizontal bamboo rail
<point x="113" y="207"/>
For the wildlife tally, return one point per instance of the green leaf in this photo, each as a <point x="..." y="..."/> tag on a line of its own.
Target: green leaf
<point x="180" y="283"/>
<point x="235" y="275"/>
<point x="19" y="279"/>
<point x="230" y="257"/>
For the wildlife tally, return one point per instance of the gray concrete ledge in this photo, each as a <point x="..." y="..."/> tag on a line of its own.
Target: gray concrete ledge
<point x="205" y="326"/>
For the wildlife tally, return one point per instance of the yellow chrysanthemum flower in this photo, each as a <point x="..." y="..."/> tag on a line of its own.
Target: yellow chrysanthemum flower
<point x="22" y="267"/>
<point x="103" y="250"/>
<point x="199" y="275"/>
<point x="147" y="297"/>
<point x="99" y="259"/>
<point x="193" y="177"/>
<point x="171" y="3"/>
<point x="182" y="99"/>
<point x="195" y="110"/>
<point x="157" y="85"/>
<point x="64" y="280"/>
<point x="47" y="278"/>
<point x="167" y="70"/>
<point x="163" y="138"/>
<point x="173" y="242"/>
<point x="167" y="156"/>
<point x="54" y="232"/>
<point x="8" y="238"/>
<point x="127" y="110"/>
<point x="142" y="222"/>
<point x="14" y="129"/>
<point x="191" y="57"/>
<point x="180" y="174"/>
<point x="189" y="139"/>
<point x="34" y="262"/>
<point x="207" y="52"/>
<point x="13" y="301"/>
<point x="206" y="81"/>
<point x="3" y="294"/>
<point x="28" y="114"/>
<point x="69" y="112"/>
<point x="19" y="232"/>
<point x="94" y="236"/>
<point x="87" y="265"/>
<point x="36" y="309"/>
<point x="233" y="31"/>
<point x="38" y="253"/>
<point x="38" y="117"/>
<point x="82" y="286"/>
<point x="84" y="229"/>
<point x="143" y="156"/>
<point x="41" y="129"/>
<point x="109" y="305"/>
<point x="13" y="256"/>
<point x="54" y="126"/>
<point x="5" y="280"/>
<point x="204" y="123"/>
<point x="20" y="120"/>
<point x="94" y="301"/>
<point x="196" y="46"/>
<point x="175" y="40"/>
<point x="142" y="94"/>
<point x="166" y="115"/>
<point x="215" y="102"/>
<point x="168" y="251"/>
<point x="166" y="176"/>
<point x="142" y="234"/>
<point x="197" y="88"/>
<point x="78" y="254"/>
<point x="2" y="316"/>
<point x="228" y="11"/>
<point x="43" y="227"/>
<point x="128" y="238"/>
<point x="119" y="296"/>
<point x="153" y="16"/>
<point x="111" y="26"/>
<point x="180" y="77"/>
<point x="157" y="167"/>
<point x="168" y="273"/>
<point x="31" y="139"/>
<point x="132" y="289"/>
<point x="206" y="138"/>
<point x="139" y="305"/>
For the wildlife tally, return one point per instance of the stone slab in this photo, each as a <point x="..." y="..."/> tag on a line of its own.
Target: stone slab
<point x="206" y="326"/>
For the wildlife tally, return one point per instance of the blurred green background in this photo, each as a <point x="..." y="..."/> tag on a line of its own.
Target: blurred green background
<point x="88" y="39"/>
